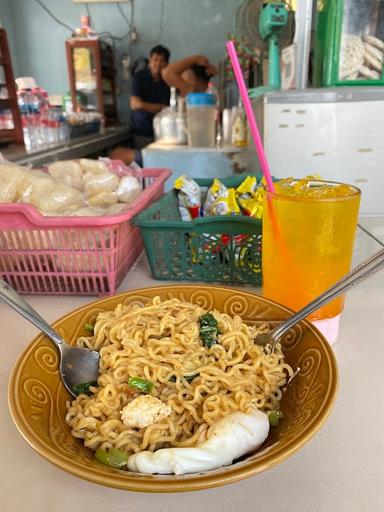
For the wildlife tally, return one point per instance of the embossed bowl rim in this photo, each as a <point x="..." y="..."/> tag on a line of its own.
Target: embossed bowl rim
<point x="169" y="483"/>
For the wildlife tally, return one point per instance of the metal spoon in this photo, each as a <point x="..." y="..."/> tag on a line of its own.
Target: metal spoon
<point x="77" y="365"/>
<point x="366" y="269"/>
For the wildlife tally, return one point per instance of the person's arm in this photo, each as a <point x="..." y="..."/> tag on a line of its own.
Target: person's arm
<point x="172" y="73"/>
<point x="137" y="103"/>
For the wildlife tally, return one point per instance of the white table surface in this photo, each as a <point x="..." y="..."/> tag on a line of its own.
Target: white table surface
<point x="341" y="469"/>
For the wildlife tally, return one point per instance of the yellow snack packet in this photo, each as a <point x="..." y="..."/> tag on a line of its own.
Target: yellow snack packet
<point x="252" y="206"/>
<point x="248" y="187"/>
<point x="250" y="197"/>
<point x="217" y="189"/>
<point x="226" y="205"/>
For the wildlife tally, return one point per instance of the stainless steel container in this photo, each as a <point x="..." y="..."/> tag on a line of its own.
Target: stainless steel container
<point x="172" y="128"/>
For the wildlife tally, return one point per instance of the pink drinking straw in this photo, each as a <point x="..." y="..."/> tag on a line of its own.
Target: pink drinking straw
<point x="250" y="115"/>
<point x="258" y="143"/>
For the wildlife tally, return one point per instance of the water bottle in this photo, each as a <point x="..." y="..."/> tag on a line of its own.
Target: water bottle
<point x="63" y="128"/>
<point x="40" y="110"/>
<point x="54" y="127"/>
<point x="24" y="103"/>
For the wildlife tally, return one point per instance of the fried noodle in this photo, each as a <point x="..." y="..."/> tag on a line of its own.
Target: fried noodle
<point x="160" y="342"/>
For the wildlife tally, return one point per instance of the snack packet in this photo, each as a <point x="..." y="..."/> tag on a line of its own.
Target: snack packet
<point x="250" y="197"/>
<point x="247" y="188"/>
<point x="217" y="189"/>
<point x="189" y="197"/>
<point x="253" y="206"/>
<point x="226" y="205"/>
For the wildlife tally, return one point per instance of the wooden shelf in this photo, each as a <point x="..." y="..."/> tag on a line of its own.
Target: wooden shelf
<point x="6" y="138"/>
<point x="16" y="134"/>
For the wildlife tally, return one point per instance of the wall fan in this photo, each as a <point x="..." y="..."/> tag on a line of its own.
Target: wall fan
<point x="268" y="27"/>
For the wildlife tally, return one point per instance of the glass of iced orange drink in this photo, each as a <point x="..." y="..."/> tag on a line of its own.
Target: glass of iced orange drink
<point x="308" y="235"/>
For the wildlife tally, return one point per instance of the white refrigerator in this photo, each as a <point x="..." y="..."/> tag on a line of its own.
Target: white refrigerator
<point x="337" y="133"/>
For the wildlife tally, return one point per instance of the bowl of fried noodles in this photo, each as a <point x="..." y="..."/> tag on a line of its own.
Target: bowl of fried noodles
<point x="185" y="398"/>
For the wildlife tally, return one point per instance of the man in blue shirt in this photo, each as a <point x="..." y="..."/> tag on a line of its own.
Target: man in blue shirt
<point x="149" y="95"/>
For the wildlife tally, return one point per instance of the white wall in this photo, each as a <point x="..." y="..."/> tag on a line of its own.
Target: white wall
<point x="37" y="41"/>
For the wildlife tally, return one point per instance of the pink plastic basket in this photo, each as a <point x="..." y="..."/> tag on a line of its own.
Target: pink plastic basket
<point x="72" y="255"/>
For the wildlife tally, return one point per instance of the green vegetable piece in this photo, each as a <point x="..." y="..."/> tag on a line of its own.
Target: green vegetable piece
<point x="208" y="341"/>
<point x="274" y="417"/>
<point x="113" y="457"/>
<point x="140" y="384"/>
<point x="89" y="328"/>
<point x="209" y="330"/>
<point x="83" y="389"/>
<point x="208" y="320"/>
<point x="188" y="378"/>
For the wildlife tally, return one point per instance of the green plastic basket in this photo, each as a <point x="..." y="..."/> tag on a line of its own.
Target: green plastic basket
<point x="213" y="249"/>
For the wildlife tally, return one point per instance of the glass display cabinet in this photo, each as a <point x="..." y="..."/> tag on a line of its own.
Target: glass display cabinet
<point x="349" y="43"/>
<point x="92" y="77"/>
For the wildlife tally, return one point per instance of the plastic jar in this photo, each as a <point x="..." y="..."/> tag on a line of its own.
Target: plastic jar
<point x="201" y="119"/>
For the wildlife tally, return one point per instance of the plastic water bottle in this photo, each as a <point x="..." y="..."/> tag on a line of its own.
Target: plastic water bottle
<point x="24" y="102"/>
<point x="40" y="109"/>
<point x="63" y="128"/>
<point x="43" y="125"/>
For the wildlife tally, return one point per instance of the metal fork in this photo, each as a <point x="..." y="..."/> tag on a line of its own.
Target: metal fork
<point x="361" y="272"/>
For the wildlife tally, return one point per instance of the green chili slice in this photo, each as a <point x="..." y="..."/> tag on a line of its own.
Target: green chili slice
<point x="113" y="457"/>
<point x="83" y="389"/>
<point x="89" y="328"/>
<point x="274" y="417"/>
<point x="140" y="384"/>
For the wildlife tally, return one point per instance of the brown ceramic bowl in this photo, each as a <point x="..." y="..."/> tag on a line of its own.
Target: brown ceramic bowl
<point x="37" y="397"/>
